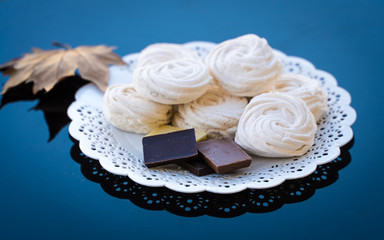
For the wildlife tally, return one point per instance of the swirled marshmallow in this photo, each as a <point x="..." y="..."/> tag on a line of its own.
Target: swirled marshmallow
<point x="173" y="82"/>
<point x="128" y="111"/>
<point x="162" y="52"/>
<point x="244" y="66"/>
<point x="309" y="90"/>
<point x="215" y="113"/>
<point x="276" y="125"/>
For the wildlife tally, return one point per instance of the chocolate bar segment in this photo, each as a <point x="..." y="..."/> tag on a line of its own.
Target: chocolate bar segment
<point x="169" y="148"/>
<point x="223" y="155"/>
<point x="200" y="135"/>
<point x="197" y="166"/>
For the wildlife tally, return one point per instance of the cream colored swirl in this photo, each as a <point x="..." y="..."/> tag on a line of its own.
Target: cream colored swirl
<point x="162" y="52"/>
<point x="126" y="110"/>
<point x="305" y="88"/>
<point x="276" y="125"/>
<point x="244" y="66"/>
<point x="215" y="113"/>
<point x="173" y="82"/>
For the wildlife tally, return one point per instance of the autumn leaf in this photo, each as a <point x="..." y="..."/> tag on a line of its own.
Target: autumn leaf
<point x="46" y="68"/>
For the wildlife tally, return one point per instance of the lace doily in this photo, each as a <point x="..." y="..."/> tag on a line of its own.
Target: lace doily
<point x="121" y="152"/>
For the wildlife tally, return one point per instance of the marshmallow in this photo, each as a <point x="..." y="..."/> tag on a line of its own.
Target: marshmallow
<point x="244" y="66"/>
<point x="128" y="111"/>
<point x="309" y="90"/>
<point x="173" y="82"/>
<point x="215" y="113"/>
<point x="276" y="125"/>
<point x="162" y="52"/>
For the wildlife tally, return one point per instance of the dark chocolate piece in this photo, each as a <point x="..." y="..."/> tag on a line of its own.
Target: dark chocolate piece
<point x="223" y="155"/>
<point x="198" y="167"/>
<point x="169" y="148"/>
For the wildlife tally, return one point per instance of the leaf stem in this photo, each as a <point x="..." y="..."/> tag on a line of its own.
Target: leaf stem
<point x="61" y="45"/>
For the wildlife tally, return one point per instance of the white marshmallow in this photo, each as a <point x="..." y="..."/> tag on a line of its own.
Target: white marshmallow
<point x="244" y="66"/>
<point x="128" y="111"/>
<point x="215" y="113"/>
<point x="276" y="125"/>
<point x="162" y="52"/>
<point x="309" y="90"/>
<point x="172" y="82"/>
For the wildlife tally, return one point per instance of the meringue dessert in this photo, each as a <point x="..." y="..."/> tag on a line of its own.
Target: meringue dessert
<point x="276" y="125"/>
<point x="172" y="82"/>
<point x="163" y="52"/>
<point x="245" y="66"/>
<point x="172" y="85"/>
<point x="215" y="113"/>
<point x="126" y="110"/>
<point x="307" y="89"/>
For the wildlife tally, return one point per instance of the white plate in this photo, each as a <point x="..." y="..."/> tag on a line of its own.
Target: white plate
<point x="121" y="153"/>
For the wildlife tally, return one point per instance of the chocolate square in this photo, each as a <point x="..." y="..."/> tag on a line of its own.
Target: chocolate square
<point x="197" y="166"/>
<point x="223" y="155"/>
<point x="169" y="148"/>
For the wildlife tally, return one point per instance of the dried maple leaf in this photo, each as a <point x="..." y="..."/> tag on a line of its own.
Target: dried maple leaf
<point x="46" y="68"/>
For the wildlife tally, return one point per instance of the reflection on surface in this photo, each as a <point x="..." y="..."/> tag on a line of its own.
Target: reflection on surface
<point x="218" y="205"/>
<point x="54" y="103"/>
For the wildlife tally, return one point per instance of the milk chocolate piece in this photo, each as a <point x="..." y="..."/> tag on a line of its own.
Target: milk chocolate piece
<point x="197" y="166"/>
<point x="223" y="155"/>
<point x="169" y="148"/>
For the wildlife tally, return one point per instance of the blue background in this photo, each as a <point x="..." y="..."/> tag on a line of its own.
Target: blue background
<point x="44" y="195"/>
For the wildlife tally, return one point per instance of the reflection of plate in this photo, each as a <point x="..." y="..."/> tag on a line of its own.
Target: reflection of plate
<point x="120" y="152"/>
<point x="205" y="203"/>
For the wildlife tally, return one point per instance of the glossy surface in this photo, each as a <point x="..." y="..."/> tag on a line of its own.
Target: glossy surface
<point x="50" y="191"/>
<point x="223" y="155"/>
<point x="173" y="147"/>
